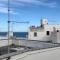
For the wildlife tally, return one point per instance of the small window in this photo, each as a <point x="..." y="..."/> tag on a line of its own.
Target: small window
<point x="47" y="33"/>
<point x="35" y="34"/>
<point x="57" y="30"/>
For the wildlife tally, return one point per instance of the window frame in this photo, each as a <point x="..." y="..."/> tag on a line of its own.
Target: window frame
<point x="47" y="33"/>
<point x="35" y="34"/>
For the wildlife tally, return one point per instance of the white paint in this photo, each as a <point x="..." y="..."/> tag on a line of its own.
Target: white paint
<point x="5" y="43"/>
<point x="44" y="21"/>
<point x="35" y="44"/>
<point x="42" y="36"/>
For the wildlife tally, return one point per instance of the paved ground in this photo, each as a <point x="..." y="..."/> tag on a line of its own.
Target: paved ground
<point x="36" y="46"/>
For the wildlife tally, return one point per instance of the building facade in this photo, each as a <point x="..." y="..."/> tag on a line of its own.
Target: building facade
<point x="45" y="32"/>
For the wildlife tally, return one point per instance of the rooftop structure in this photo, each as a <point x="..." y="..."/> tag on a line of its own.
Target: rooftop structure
<point x="44" y="32"/>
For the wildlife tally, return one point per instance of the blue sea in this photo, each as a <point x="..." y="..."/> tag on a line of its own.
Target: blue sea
<point x="20" y="34"/>
<point x="16" y="34"/>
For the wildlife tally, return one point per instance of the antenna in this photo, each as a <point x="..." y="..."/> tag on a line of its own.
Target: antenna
<point x="20" y="22"/>
<point x="8" y="24"/>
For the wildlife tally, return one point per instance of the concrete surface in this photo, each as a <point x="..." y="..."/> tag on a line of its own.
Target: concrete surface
<point x="46" y="54"/>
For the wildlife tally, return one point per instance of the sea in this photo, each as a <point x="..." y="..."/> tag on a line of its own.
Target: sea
<point x="16" y="34"/>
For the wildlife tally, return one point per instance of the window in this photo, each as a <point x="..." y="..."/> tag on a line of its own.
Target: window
<point x="35" y="34"/>
<point x="57" y="30"/>
<point x="47" y="33"/>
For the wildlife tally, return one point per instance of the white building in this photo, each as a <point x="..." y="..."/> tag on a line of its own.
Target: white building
<point x="45" y="32"/>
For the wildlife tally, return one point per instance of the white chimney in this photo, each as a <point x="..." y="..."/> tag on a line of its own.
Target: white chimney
<point x="44" y="22"/>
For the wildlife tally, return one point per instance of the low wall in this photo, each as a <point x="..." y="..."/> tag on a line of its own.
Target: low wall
<point x="5" y="43"/>
<point x="36" y="44"/>
<point x="28" y="43"/>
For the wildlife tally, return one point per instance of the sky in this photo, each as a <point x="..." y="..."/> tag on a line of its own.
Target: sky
<point x="28" y="10"/>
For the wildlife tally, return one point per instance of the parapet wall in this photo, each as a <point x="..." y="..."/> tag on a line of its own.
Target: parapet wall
<point x="35" y="44"/>
<point x="28" y="43"/>
<point x="5" y="43"/>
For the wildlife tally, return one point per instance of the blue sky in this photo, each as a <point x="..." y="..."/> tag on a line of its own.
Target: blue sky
<point x="28" y="10"/>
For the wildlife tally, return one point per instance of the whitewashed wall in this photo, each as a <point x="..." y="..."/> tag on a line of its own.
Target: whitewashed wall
<point x="5" y="43"/>
<point x="41" y="36"/>
<point x="35" y="44"/>
<point x="55" y="37"/>
<point x="50" y="27"/>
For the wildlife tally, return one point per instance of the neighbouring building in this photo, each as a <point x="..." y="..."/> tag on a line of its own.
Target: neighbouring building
<point x="45" y="32"/>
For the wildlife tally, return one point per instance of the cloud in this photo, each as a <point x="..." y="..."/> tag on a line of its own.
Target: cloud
<point x="30" y="2"/>
<point x="35" y="2"/>
<point x="52" y="4"/>
<point x="5" y="10"/>
<point x="4" y="7"/>
<point x="4" y="4"/>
